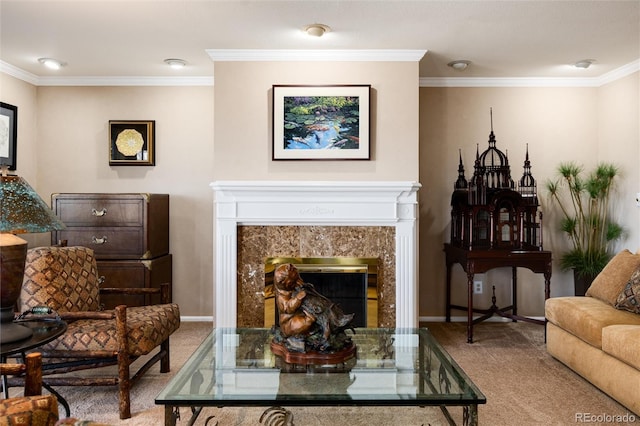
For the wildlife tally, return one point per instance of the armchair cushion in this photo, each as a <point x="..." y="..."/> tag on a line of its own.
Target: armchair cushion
<point x="147" y="327"/>
<point x="40" y="410"/>
<point x="63" y="278"/>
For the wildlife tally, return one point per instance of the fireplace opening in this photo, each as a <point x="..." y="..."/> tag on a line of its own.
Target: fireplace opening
<point x="350" y="282"/>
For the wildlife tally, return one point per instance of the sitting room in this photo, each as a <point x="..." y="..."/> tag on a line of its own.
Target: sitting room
<point x="176" y="141"/>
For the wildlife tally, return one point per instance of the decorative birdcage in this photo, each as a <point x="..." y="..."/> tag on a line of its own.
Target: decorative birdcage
<point x="491" y="211"/>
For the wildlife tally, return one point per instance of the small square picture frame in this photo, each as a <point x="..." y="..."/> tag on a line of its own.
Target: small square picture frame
<point x="132" y="143"/>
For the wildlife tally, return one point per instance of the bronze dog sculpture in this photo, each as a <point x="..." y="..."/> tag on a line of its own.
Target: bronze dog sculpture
<point x="308" y="320"/>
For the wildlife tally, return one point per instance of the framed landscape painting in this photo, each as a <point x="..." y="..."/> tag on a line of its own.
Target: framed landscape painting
<point x="321" y="122"/>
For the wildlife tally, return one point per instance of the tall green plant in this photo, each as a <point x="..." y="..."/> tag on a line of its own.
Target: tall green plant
<point x="584" y="202"/>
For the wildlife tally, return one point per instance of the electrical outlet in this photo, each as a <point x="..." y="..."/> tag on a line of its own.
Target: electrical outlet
<point x="477" y="287"/>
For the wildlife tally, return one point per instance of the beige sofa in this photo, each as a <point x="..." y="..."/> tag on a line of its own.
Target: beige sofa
<point x="598" y="335"/>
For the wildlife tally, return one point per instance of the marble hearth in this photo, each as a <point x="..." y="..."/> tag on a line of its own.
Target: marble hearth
<point x="259" y="219"/>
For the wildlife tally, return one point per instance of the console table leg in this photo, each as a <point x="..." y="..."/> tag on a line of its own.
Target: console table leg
<point x="514" y="286"/>
<point x="448" y="306"/>
<point x="470" y="306"/>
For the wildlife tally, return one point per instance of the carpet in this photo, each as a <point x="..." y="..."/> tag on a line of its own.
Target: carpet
<point x="507" y="361"/>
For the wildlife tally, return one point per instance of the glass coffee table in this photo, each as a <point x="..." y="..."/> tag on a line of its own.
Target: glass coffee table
<point x="392" y="367"/>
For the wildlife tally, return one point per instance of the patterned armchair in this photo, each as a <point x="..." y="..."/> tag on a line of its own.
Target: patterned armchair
<point x="65" y="279"/>
<point x="33" y="408"/>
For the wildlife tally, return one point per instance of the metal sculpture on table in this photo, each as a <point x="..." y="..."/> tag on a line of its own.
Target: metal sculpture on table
<point x="311" y="327"/>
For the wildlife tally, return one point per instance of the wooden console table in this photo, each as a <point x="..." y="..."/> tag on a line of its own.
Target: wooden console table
<point x="480" y="261"/>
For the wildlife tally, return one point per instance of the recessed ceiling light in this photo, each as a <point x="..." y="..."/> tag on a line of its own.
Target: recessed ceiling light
<point x="584" y="63"/>
<point x="175" y="63"/>
<point x="459" y="65"/>
<point x="317" y="30"/>
<point x="51" y="63"/>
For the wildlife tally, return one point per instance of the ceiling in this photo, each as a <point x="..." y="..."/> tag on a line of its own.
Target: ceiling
<point x="502" y="39"/>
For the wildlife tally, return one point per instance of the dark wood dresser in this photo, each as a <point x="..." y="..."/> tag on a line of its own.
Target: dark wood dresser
<point x="129" y="234"/>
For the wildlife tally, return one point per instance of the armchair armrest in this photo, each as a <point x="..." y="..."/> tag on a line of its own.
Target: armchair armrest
<point x="32" y="368"/>
<point x="44" y="312"/>
<point x="73" y="316"/>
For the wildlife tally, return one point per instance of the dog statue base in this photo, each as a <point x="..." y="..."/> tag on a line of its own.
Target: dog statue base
<point x="312" y="357"/>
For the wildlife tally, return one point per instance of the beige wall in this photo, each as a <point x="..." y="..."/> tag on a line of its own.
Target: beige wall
<point x="23" y="95"/>
<point x="63" y="148"/>
<point x="619" y="142"/>
<point x="243" y="120"/>
<point x="586" y="125"/>
<point x="69" y="153"/>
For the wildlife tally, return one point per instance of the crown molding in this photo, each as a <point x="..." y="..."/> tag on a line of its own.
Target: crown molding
<point x="103" y="81"/>
<point x="507" y="82"/>
<point x="325" y="55"/>
<point x="367" y="55"/>
<point x="18" y="73"/>
<point x="609" y="77"/>
<point x="621" y="72"/>
<point x="125" y="81"/>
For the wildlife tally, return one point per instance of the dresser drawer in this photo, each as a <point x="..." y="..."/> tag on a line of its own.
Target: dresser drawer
<point x="100" y="211"/>
<point x="108" y="243"/>
<point x="134" y="274"/>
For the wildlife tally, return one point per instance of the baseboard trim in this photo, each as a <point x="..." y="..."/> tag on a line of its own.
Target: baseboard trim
<point x="420" y="319"/>
<point x="464" y="319"/>
<point x="196" y="319"/>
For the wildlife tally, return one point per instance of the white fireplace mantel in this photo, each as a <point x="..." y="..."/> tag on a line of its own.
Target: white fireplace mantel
<point x="306" y="203"/>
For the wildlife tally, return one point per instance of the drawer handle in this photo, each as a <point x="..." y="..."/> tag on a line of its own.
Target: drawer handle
<point x="99" y="213"/>
<point x="102" y="240"/>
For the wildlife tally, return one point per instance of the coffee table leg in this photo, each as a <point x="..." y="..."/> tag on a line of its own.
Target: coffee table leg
<point x="277" y="416"/>
<point x="470" y="415"/>
<point x="171" y="415"/>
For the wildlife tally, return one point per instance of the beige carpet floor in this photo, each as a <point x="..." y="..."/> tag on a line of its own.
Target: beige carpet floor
<point x="507" y="361"/>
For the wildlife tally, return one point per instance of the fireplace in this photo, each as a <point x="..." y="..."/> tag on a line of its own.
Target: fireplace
<point x="255" y="220"/>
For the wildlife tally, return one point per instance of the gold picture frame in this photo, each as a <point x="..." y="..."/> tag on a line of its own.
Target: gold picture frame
<point x="132" y="143"/>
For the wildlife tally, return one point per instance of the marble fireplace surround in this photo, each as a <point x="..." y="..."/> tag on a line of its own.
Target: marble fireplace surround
<point x="313" y="204"/>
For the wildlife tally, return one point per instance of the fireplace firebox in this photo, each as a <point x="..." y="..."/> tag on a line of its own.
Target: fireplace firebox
<point x="350" y="282"/>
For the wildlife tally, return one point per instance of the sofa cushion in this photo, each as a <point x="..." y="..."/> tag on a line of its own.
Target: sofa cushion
<point x="623" y="343"/>
<point x="611" y="281"/>
<point x="629" y="299"/>
<point x="585" y="317"/>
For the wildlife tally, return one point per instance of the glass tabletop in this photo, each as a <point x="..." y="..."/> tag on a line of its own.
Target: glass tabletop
<point x="235" y="367"/>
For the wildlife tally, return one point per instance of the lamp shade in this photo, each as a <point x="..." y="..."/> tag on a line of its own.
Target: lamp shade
<point x="22" y="210"/>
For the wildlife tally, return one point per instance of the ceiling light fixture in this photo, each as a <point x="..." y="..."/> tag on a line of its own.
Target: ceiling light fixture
<point x="317" y="30"/>
<point x="459" y="65"/>
<point x="51" y="63"/>
<point x="585" y="63"/>
<point x="175" y="63"/>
